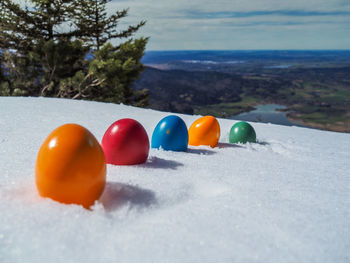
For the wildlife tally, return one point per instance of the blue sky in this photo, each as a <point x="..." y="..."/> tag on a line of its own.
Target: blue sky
<point x="241" y="24"/>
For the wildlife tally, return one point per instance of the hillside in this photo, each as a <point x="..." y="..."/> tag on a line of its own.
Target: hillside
<point x="284" y="199"/>
<point x="316" y="95"/>
<point x="188" y="91"/>
<point x="181" y="91"/>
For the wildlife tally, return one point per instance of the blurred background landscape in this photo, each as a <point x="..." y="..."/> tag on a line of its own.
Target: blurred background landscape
<point x="308" y="88"/>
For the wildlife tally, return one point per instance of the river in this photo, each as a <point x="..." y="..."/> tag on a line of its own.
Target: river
<point x="267" y="113"/>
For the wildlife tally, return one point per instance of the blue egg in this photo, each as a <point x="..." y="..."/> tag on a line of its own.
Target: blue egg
<point x="170" y="134"/>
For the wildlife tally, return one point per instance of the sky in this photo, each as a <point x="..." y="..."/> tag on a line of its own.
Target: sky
<point x="240" y="24"/>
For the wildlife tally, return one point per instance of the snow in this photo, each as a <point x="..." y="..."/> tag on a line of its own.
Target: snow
<point x="285" y="199"/>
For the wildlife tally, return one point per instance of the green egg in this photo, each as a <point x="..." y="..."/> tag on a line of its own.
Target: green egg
<point x="242" y="132"/>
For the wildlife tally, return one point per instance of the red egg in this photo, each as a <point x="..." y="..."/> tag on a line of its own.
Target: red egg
<point x="125" y="142"/>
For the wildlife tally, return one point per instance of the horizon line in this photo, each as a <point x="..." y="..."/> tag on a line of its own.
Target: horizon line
<point x="196" y="50"/>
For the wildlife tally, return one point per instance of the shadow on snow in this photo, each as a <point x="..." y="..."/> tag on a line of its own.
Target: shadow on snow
<point x="116" y="195"/>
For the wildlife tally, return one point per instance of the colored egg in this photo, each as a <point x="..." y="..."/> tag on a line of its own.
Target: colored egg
<point x="242" y="132"/>
<point x="125" y="143"/>
<point x="204" y="131"/>
<point x="170" y="134"/>
<point x="70" y="166"/>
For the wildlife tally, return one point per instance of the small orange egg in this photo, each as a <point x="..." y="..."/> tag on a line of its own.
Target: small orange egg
<point x="204" y="131"/>
<point x="70" y="166"/>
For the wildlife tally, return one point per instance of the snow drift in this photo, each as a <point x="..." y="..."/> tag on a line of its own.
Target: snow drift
<point x="284" y="199"/>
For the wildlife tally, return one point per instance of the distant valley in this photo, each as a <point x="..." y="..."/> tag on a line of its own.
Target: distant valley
<point x="314" y="85"/>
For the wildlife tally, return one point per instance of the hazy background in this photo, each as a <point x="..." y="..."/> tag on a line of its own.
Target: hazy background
<point x="240" y="24"/>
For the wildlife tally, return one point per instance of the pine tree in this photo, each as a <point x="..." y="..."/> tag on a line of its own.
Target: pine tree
<point x="117" y="69"/>
<point x="23" y="27"/>
<point x="45" y="46"/>
<point x="97" y="27"/>
<point x="114" y="68"/>
<point x="37" y="45"/>
<point x="60" y="61"/>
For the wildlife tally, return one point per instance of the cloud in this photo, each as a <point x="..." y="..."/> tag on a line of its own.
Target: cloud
<point x="241" y="24"/>
<point x="293" y="13"/>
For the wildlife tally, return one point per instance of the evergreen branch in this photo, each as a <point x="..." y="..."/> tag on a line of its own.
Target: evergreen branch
<point x="129" y="32"/>
<point x="50" y="80"/>
<point x="94" y="83"/>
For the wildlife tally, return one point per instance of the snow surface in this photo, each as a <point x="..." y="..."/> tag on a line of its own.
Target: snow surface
<point x="285" y="199"/>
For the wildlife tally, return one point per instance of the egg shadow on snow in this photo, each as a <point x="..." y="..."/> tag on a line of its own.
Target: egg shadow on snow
<point x="200" y="151"/>
<point x="156" y="162"/>
<point x="228" y="145"/>
<point x="116" y="195"/>
<point x="262" y="143"/>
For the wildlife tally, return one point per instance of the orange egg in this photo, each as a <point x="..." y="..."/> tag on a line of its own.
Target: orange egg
<point x="70" y="166"/>
<point x="204" y="131"/>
